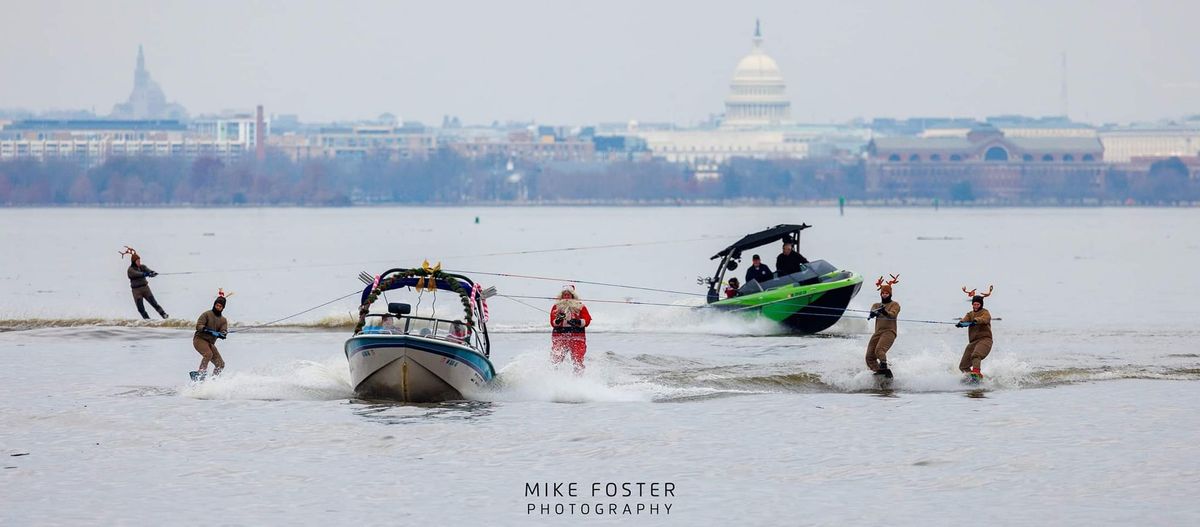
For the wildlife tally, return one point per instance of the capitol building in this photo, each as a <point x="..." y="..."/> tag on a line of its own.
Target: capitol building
<point x="758" y="93"/>
<point x="757" y="122"/>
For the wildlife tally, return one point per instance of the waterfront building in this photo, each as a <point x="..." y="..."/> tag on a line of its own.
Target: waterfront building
<point x="410" y="140"/>
<point x="985" y="163"/>
<point x="90" y="142"/>
<point x="1123" y="144"/>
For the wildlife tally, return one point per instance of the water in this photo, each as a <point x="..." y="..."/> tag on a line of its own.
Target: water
<point x="1087" y="416"/>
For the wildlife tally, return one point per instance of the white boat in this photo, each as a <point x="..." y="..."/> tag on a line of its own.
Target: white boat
<point x="398" y="356"/>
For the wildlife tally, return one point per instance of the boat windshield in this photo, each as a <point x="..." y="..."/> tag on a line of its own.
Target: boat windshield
<point x="809" y="273"/>
<point x="455" y="331"/>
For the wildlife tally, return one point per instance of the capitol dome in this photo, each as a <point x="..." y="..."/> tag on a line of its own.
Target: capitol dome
<point x="758" y="93"/>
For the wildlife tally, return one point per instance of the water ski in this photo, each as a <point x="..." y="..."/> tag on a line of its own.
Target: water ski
<point x="972" y="379"/>
<point x="883" y="378"/>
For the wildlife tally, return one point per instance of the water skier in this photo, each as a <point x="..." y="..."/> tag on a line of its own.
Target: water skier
<point x="209" y="327"/>
<point x="568" y="318"/>
<point x="885" y="313"/>
<point x="138" y="275"/>
<point x="978" y="322"/>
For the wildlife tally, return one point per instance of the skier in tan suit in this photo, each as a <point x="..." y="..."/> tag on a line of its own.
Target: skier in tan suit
<point x="884" y="312"/>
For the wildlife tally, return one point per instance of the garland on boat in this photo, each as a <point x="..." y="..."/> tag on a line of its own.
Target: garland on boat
<point x="427" y="277"/>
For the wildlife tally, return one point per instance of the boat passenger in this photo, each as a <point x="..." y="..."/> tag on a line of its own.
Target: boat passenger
<point x="978" y="322"/>
<point x="884" y="312"/>
<point x="138" y="275"/>
<point x="789" y="261"/>
<point x="731" y="290"/>
<point x="568" y="318"/>
<point x="211" y="326"/>
<point x="458" y="332"/>
<point x="388" y="324"/>
<point x="758" y="271"/>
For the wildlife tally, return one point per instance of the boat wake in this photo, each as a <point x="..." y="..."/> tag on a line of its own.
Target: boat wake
<point x="615" y="378"/>
<point x="328" y="380"/>
<point x="919" y="373"/>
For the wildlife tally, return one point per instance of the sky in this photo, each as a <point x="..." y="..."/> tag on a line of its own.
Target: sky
<point x="570" y="62"/>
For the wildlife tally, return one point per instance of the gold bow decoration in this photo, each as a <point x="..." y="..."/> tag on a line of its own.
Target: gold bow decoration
<point x="428" y="282"/>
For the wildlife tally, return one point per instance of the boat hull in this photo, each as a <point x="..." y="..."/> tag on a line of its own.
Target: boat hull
<point x="805" y="309"/>
<point x="415" y="369"/>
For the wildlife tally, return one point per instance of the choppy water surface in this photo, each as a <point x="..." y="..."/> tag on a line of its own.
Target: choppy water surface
<point x="1087" y="417"/>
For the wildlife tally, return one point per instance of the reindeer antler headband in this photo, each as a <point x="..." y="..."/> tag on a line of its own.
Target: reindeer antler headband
<point x="128" y="250"/>
<point x="973" y="294"/>
<point x="880" y="283"/>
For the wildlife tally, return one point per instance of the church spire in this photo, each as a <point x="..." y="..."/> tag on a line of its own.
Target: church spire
<point x="141" y="61"/>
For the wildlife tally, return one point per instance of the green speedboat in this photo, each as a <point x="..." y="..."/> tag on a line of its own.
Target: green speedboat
<point x="807" y="301"/>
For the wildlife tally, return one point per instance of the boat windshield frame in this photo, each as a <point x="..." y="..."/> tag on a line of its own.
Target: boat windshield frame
<point x="426" y="327"/>
<point x="761" y="238"/>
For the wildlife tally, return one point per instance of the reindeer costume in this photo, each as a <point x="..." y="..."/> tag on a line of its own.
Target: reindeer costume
<point x="138" y="274"/>
<point x="884" y="312"/>
<point x="211" y="326"/>
<point x="978" y="322"/>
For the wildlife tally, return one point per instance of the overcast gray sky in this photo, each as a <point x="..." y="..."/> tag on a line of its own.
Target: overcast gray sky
<point x="613" y="60"/>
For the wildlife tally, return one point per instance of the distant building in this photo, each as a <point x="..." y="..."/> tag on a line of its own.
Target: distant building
<point x="1123" y="144"/>
<point x="1021" y="126"/>
<point x="91" y="142"/>
<point x="720" y="145"/>
<point x="985" y="162"/>
<point x="541" y="143"/>
<point x="985" y="143"/>
<point x="1011" y="125"/>
<point x="240" y="128"/>
<point x="757" y="94"/>
<point x="147" y="100"/>
<point x="410" y="140"/>
<point x="757" y="123"/>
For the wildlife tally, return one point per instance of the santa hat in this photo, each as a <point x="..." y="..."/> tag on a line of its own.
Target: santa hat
<point x="568" y="289"/>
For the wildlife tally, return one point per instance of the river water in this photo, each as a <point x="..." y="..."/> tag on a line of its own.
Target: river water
<point x="1087" y="417"/>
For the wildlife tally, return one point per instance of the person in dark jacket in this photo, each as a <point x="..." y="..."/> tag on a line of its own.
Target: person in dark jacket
<point x="211" y="326"/>
<point x="789" y="261"/>
<point x="758" y="271"/>
<point x="138" y="275"/>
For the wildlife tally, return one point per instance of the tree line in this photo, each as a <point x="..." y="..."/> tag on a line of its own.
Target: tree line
<point x="448" y="178"/>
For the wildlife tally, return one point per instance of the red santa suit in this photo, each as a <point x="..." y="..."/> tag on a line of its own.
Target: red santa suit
<point x="568" y="318"/>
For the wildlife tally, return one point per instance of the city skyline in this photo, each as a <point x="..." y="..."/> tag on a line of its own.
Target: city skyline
<point x="580" y="64"/>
